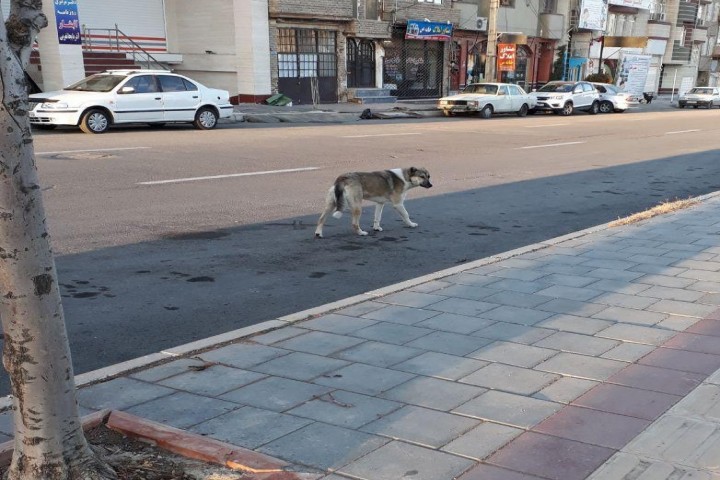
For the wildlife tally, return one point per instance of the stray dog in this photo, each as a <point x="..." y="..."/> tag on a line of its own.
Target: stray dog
<point x="380" y="187"/>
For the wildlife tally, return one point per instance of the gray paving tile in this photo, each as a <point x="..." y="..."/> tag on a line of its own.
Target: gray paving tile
<point x="392" y="332"/>
<point x="345" y="409"/>
<point x="514" y="333"/>
<point x="212" y="381"/>
<point x="678" y="323"/>
<point x="619" y="286"/>
<point x="569" y="280"/>
<point x="674" y="307"/>
<point x="620" y="273"/>
<point x="520" y="286"/>
<point x="360" y="309"/>
<point x="564" y="269"/>
<point x="623" y="466"/>
<point x="518" y="274"/>
<point x="608" y="264"/>
<point x="702" y="275"/>
<point x="577" y="343"/>
<point x="431" y="286"/>
<point x="575" y="324"/>
<point x="572" y="307"/>
<point x="402" y="315"/>
<point x="707" y="287"/>
<point x="323" y="446"/>
<point x="365" y="379"/>
<point x="652" y="259"/>
<point x="513" y="354"/>
<point x="462" y="306"/>
<point x="166" y="370"/>
<point x="522" y="316"/>
<point x="340" y="324"/>
<point x="433" y="393"/>
<point x="565" y="390"/>
<point x="710" y="299"/>
<point x="412" y="299"/>
<point x="637" y="334"/>
<point x="243" y="354"/>
<point x="466" y="278"/>
<point x="665" y="281"/>
<point x="510" y="379"/>
<point x="250" y="427"/>
<point x="515" y="410"/>
<point x="570" y="293"/>
<point x="582" y="366"/>
<point x="319" y="343"/>
<point x="378" y="353"/>
<point x="278" y="335"/>
<point x="703" y="403"/>
<point x="628" y="352"/>
<point x="629" y="315"/>
<point x="440" y="365"/>
<point x="120" y="393"/>
<point x="275" y="393"/>
<point x="450" y="322"/>
<point x="517" y="299"/>
<point x="694" y="264"/>
<point x="451" y="343"/>
<point x="300" y="366"/>
<point x="472" y="292"/>
<point x="398" y="460"/>
<point x="638" y="302"/>
<point x="181" y="410"/>
<point x="482" y="441"/>
<point x="421" y="426"/>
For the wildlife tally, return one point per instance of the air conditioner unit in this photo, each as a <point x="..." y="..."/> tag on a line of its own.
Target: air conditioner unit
<point x="481" y="23"/>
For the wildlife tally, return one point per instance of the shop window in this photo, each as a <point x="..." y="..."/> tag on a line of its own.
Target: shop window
<point x="372" y="9"/>
<point x="306" y="53"/>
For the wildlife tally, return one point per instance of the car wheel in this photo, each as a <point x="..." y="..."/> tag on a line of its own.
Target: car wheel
<point x="696" y="106"/>
<point x="681" y="105"/>
<point x="95" y="121"/>
<point x="594" y="108"/>
<point x="532" y="111"/>
<point x="619" y="111"/>
<point x="486" y="112"/>
<point x="567" y="109"/>
<point x="205" y="119"/>
<point x="606" y="107"/>
<point x="44" y="126"/>
<point x="709" y="105"/>
<point x="523" y="110"/>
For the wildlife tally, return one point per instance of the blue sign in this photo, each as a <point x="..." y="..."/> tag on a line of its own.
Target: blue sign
<point x="421" y="30"/>
<point x="67" y="21"/>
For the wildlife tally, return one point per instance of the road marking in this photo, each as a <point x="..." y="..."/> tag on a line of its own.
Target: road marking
<point x="232" y="175"/>
<point x="93" y="150"/>
<point x="682" y="131"/>
<point x="548" y="125"/>
<point x="380" y="135"/>
<point x="550" y="145"/>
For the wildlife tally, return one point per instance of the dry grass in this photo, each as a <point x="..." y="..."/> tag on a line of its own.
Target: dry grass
<point x="662" y="209"/>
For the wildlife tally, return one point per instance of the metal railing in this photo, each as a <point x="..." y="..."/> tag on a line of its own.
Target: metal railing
<point x="117" y="41"/>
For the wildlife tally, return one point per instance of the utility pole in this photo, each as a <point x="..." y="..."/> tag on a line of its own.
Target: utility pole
<point x="491" y="55"/>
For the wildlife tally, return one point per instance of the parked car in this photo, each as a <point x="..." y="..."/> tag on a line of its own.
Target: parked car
<point x="564" y="98"/>
<point x="707" y="97"/>
<point x="487" y="99"/>
<point x="155" y="97"/>
<point x="612" y="99"/>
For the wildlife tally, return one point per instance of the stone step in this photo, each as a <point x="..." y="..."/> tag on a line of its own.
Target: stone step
<point x="384" y="99"/>
<point x="372" y="92"/>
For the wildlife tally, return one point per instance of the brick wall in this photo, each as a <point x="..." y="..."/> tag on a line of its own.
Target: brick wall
<point x="414" y="10"/>
<point x="309" y="8"/>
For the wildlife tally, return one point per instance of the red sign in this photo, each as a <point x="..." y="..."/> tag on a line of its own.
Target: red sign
<point x="506" y="57"/>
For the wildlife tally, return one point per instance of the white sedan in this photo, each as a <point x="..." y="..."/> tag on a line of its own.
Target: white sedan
<point x="155" y="97"/>
<point x="487" y="99"/>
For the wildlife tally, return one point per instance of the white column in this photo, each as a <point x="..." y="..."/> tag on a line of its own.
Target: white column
<point x="252" y="37"/>
<point x="61" y="64"/>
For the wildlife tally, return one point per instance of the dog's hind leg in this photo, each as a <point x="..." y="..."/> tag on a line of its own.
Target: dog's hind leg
<point x="378" y="214"/>
<point x="329" y="207"/>
<point x="404" y="214"/>
<point x="356" y="211"/>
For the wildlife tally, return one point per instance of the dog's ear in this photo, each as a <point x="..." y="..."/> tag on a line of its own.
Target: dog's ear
<point x="413" y="171"/>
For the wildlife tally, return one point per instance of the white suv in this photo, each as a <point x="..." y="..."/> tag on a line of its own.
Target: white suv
<point x="155" y="97"/>
<point x="565" y="97"/>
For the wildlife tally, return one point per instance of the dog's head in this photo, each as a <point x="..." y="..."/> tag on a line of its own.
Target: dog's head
<point x="419" y="177"/>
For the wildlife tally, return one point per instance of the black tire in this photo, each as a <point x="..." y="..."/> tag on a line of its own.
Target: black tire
<point x="709" y="105"/>
<point x="524" y="110"/>
<point x="532" y="111"/>
<point x="681" y="105"/>
<point x="157" y="125"/>
<point x="567" y="109"/>
<point x="95" y="120"/>
<point x="43" y="126"/>
<point x="606" y="107"/>
<point x="695" y="106"/>
<point x="205" y="119"/>
<point x="486" y="112"/>
<point x="594" y="108"/>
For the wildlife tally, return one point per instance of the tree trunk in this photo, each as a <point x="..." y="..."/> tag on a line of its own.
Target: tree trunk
<point x="49" y="441"/>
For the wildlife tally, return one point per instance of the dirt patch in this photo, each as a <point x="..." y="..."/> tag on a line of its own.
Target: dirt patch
<point x="663" y="208"/>
<point x="136" y="460"/>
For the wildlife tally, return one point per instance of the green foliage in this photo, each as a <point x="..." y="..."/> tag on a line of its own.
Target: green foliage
<point x="557" y="71"/>
<point x="599" y="78"/>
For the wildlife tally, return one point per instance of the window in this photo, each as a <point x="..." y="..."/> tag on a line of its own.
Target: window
<point x="514" y="90"/>
<point x="305" y="53"/>
<point x="548" y="6"/>
<point x="143" y="84"/>
<point x="168" y="83"/>
<point x="372" y="10"/>
<point x="503" y="90"/>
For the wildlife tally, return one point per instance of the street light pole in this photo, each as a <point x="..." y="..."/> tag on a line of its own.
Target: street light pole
<point x="491" y="55"/>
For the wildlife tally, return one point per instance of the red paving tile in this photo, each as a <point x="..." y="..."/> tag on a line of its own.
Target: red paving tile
<point x="489" y="472"/>
<point x="629" y="401"/>
<point x="551" y="457"/>
<point x="593" y="426"/>
<point x="707" y="326"/>
<point x="658" y="379"/>
<point x="684" y="360"/>
<point x="694" y="343"/>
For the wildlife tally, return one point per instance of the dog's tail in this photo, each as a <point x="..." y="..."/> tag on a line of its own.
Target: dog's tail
<point x="339" y="199"/>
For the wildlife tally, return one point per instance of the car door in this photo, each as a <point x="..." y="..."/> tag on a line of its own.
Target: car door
<point x="516" y="98"/>
<point x="181" y="98"/>
<point x="716" y="97"/>
<point x="141" y="103"/>
<point x="503" y="100"/>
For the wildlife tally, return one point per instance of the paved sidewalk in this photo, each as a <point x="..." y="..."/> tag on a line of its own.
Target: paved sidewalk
<point x="590" y="356"/>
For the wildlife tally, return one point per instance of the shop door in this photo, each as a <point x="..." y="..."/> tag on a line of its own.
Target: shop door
<point x="361" y="63"/>
<point x="415" y="67"/>
<point x="307" y="67"/>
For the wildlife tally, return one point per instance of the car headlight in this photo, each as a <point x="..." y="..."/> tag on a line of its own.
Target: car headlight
<point x="54" y="105"/>
<point x="556" y="97"/>
<point x="443" y="102"/>
<point x="473" y="103"/>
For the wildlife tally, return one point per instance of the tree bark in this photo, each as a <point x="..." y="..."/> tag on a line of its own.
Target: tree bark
<point x="49" y="441"/>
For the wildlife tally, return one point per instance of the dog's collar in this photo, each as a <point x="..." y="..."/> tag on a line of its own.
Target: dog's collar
<point x="398" y="172"/>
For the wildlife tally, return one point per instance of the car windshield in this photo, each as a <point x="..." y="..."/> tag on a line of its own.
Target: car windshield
<point x="556" y="87"/>
<point x="701" y="91"/>
<point x="97" y="83"/>
<point x="481" y="88"/>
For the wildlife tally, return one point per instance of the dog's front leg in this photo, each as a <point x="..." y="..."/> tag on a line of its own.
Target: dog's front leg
<point x="404" y="214"/>
<point x="378" y="214"/>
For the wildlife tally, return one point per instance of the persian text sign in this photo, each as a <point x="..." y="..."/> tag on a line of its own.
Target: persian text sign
<point x="421" y="30"/>
<point x="632" y="73"/>
<point x="67" y="21"/>
<point x="506" y="57"/>
<point x="593" y="15"/>
<point x="644" y="4"/>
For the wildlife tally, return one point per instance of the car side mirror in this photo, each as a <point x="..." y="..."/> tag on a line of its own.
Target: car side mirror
<point x="126" y="90"/>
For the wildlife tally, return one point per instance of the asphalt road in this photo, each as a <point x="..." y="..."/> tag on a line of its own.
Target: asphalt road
<point x="146" y="266"/>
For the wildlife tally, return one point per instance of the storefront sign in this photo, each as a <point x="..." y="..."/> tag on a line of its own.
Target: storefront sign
<point x="632" y="73"/>
<point x="506" y="57"/>
<point x="626" y="42"/>
<point x="593" y="15"/>
<point x="421" y="30"/>
<point x="67" y="21"/>
<point x="644" y="4"/>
